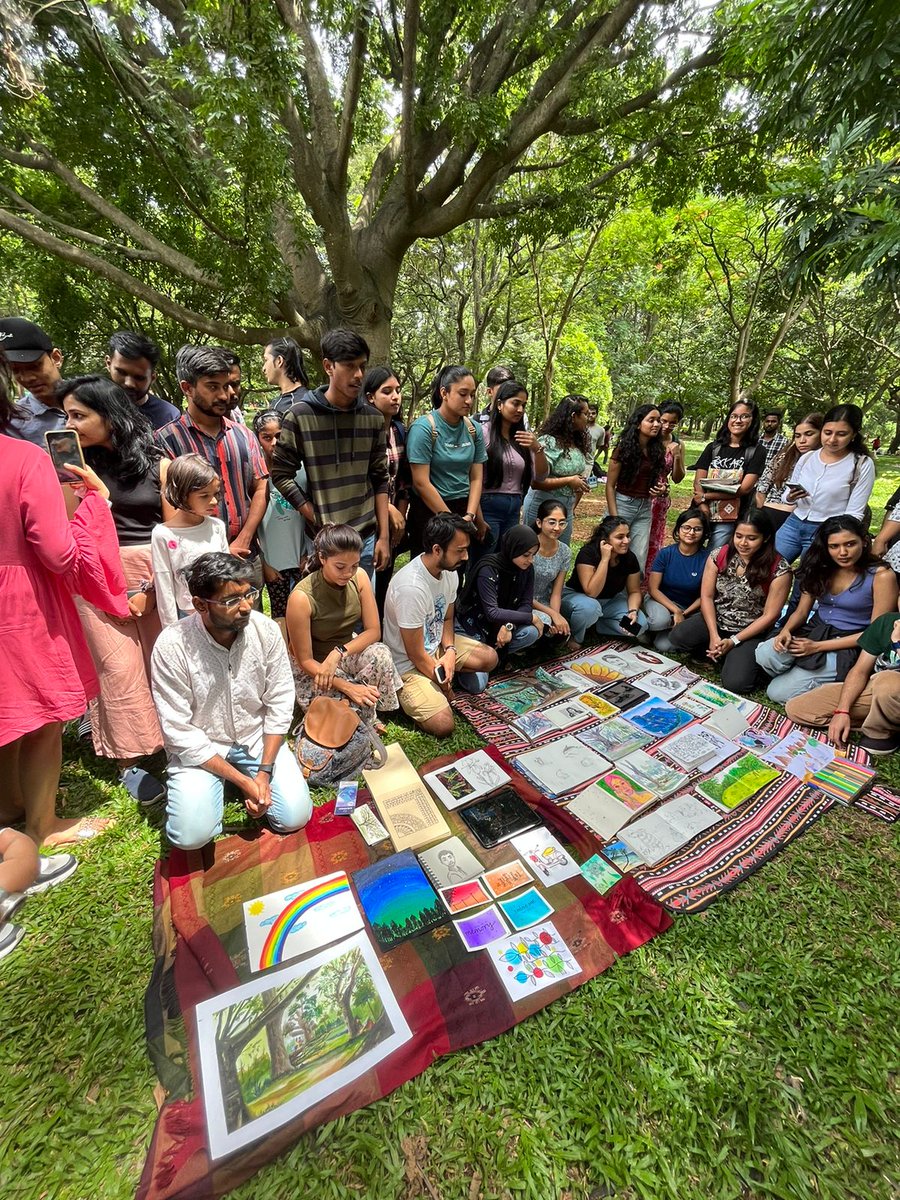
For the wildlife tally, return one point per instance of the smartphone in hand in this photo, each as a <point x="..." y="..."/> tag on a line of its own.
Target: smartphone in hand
<point x="440" y="675"/>
<point x="64" y="446"/>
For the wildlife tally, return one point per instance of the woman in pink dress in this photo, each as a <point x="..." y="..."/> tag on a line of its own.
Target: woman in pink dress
<point x="46" y="673"/>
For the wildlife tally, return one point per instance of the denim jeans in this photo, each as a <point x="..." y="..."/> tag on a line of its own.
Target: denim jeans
<point x="196" y="798"/>
<point x="584" y="613"/>
<point x="789" y="680"/>
<point x="474" y="682"/>
<point x="793" y="539"/>
<point x="500" y="511"/>
<point x="721" y="534"/>
<point x="636" y="512"/>
<point x="367" y="557"/>
<point x="659" y="622"/>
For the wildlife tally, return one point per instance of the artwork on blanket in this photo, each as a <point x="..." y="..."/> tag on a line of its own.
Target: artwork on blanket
<point x="685" y="675"/>
<point x="273" y="1047"/>
<point x="298" y="920"/>
<point x="727" y="720"/>
<point x="800" y="755"/>
<point x="624" y="695"/>
<point x="614" y="737"/>
<point x="533" y="725"/>
<point x="466" y="779"/>
<point x="449" y="862"/>
<point x="600" y="810"/>
<point x="697" y="748"/>
<point x="567" y="713"/>
<point x="599" y="705"/>
<point x="622" y="662"/>
<point x="658" y="718"/>
<point x="526" y="909"/>
<point x="502" y="880"/>
<point x="599" y="874"/>
<point x="481" y="928"/>
<point x="690" y="704"/>
<point x="397" y="899"/>
<point x="461" y="896"/>
<point x="579" y="680"/>
<point x="535" y="959"/>
<point x="544" y="855"/>
<point x="561" y="766"/>
<point x="653" y="773"/>
<point x="626" y="789"/>
<point x="737" y="783"/>
<point x="714" y="696"/>
<point x="621" y="855"/>
<point x="368" y="825"/>
<point x="663" y="687"/>
<point x="650" y="660"/>
<point x="755" y="740"/>
<point x="528" y="690"/>
<point x="666" y="830"/>
<point x="594" y="672"/>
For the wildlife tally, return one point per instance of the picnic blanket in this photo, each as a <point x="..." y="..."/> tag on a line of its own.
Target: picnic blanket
<point x="451" y="998"/>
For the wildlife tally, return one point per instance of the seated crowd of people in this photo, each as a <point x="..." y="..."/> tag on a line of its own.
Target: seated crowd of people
<point x="132" y="584"/>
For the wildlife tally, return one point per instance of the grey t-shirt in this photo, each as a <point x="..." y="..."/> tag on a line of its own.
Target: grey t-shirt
<point x="547" y="569"/>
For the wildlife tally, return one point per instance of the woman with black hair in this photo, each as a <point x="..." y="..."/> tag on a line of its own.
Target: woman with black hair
<point x="564" y="439"/>
<point x="673" y="586"/>
<point x="118" y="444"/>
<point x="843" y="588"/>
<point x="495" y="607"/>
<point x="670" y="414"/>
<point x="381" y="388"/>
<point x="446" y="454"/>
<point x="770" y="489"/>
<point x="283" y="367"/>
<point x="637" y="474"/>
<point x="736" y="460"/>
<point x="605" y="588"/>
<point x="744" y="587"/>
<point x="836" y="478"/>
<point x="514" y="457"/>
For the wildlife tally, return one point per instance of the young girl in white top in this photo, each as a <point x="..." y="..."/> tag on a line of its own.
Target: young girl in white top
<point x="192" y="489"/>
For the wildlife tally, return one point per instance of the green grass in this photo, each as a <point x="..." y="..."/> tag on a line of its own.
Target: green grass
<point x="749" y="1052"/>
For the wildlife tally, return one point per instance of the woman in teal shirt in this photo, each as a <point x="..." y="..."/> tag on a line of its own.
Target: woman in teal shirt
<point x="446" y="454"/>
<point x="565" y="442"/>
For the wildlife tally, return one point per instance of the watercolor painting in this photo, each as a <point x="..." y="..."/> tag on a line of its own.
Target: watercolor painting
<point x="272" y="1048"/>
<point x="625" y="788"/>
<point x="614" y="737"/>
<point x="622" y="856"/>
<point x="299" y="920"/>
<point x="599" y="874"/>
<point x="601" y="706"/>
<point x="481" y="929"/>
<point x="738" y="782"/>
<point x="461" y="896"/>
<point x="526" y="909"/>
<point x="533" y="960"/>
<point x="397" y="899"/>
<point x="502" y="880"/>
<point x="658" y="718"/>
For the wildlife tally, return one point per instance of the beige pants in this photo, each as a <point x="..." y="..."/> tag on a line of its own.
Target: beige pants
<point x="876" y="712"/>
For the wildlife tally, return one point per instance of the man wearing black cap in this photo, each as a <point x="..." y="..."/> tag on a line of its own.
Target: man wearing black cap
<point x="35" y="363"/>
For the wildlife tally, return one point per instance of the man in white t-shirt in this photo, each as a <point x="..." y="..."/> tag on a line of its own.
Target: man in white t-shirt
<point x="418" y="628"/>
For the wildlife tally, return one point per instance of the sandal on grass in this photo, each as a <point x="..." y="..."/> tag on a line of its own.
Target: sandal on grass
<point x="82" y="831"/>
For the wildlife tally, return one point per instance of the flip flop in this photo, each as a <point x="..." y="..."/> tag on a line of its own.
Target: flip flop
<point x="86" y="829"/>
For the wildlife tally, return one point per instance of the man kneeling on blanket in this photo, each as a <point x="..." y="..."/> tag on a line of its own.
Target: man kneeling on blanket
<point x="225" y="696"/>
<point x="868" y="699"/>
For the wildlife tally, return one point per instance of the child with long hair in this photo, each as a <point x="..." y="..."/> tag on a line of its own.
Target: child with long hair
<point x="744" y="587"/>
<point x="605" y="587"/>
<point x="843" y="588"/>
<point x="637" y="474"/>
<point x="192" y="491"/>
<point x="736" y="460"/>
<point x="514" y="457"/>
<point x="323" y="614"/>
<point x="565" y="442"/>
<point x="772" y="482"/>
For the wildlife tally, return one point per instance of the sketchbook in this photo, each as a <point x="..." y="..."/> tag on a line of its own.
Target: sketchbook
<point x="498" y="817"/>
<point x="800" y="755"/>
<point x="653" y="773"/>
<point x="528" y="690"/>
<point x="663" y="687"/>
<point x="561" y="766"/>
<point x="698" y="748"/>
<point x="658" y="718"/>
<point x="614" y="738"/>
<point x="671" y="826"/>
<point x="450" y="862"/>
<point x="407" y="810"/>
<point x="739" y="782"/>
<point x="630" y="791"/>
<point x="466" y="779"/>
<point x="602" y="812"/>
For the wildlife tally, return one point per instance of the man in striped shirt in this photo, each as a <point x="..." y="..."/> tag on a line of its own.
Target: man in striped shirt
<point x="230" y="449"/>
<point x="339" y="437"/>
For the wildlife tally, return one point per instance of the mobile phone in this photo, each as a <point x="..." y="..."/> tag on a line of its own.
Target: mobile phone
<point x="629" y="626"/>
<point x="797" y="490"/>
<point x="64" y="446"/>
<point x="346" y="797"/>
<point x="440" y="675"/>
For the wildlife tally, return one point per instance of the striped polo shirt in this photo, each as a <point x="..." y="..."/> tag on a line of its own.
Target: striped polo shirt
<point x="234" y="454"/>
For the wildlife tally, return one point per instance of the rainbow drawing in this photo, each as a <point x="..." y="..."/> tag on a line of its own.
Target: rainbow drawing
<point x="328" y="899"/>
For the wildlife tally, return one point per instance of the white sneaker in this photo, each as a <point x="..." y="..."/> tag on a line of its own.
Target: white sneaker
<point x="10" y="936"/>
<point x="54" y="869"/>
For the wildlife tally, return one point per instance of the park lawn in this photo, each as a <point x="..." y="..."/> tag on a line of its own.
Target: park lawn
<point x="749" y="1052"/>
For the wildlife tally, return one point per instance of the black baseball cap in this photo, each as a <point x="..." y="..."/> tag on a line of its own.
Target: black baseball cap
<point x="22" y="341"/>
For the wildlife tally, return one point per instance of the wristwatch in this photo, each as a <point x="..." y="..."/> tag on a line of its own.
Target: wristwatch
<point x="509" y="625"/>
<point x="735" y="640"/>
<point x="266" y="769"/>
<point x="342" y="650"/>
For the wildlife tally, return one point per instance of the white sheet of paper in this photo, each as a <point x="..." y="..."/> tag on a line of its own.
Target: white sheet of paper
<point x="533" y="959"/>
<point x="300" y="919"/>
<point x="670" y="827"/>
<point x="727" y="720"/>
<point x="600" y="811"/>
<point x="545" y="856"/>
<point x="563" y="765"/>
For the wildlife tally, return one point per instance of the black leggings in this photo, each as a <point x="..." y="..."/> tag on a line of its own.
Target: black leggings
<point x="738" y="668"/>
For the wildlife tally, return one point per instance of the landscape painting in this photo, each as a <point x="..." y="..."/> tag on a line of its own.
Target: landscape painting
<point x="272" y="1048"/>
<point x="397" y="899"/>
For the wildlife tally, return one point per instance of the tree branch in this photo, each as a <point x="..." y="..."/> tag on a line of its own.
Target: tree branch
<point x="408" y="100"/>
<point x="82" y="235"/>
<point x="352" y="88"/>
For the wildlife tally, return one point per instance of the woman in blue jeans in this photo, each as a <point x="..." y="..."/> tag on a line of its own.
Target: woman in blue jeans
<point x="514" y="457"/>
<point x="605" y="586"/>
<point x="496" y="604"/>
<point x="637" y="475"/>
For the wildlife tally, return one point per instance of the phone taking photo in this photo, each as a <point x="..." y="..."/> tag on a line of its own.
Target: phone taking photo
<point x="64" y="446"/>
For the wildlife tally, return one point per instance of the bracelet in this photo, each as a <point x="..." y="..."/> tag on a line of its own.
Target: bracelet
<point x="842" y="712"/>
<point x="467" y="516"/>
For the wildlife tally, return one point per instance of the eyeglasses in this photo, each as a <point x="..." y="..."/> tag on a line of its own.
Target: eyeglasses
<point x="691" y="528"/>
<point x="744" y="418"/>
<point x="233" y="602"/>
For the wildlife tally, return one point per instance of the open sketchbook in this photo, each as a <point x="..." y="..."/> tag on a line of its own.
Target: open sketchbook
<point x="407" y="810"/>
<point x="668" y="828"/>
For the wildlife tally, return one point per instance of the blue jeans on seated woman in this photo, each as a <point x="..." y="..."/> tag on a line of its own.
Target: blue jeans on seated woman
<point x="474" y="682"/>
<point x="794" y="537"/>
<point x="789" y="680"/>
<point x="500" y="511"/>
<point x="584" y="614"/>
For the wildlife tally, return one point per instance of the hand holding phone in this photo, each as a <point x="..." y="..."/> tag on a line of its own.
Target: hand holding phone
<point x="440" y="675"/>
<point x="796" y="491"/>
<point x="65" y="450"/>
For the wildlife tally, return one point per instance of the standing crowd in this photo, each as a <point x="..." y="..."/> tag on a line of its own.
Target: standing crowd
<point x="132" y="576"/>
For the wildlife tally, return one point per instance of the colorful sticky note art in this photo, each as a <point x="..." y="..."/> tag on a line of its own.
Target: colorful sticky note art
<point x="535" y="959"/>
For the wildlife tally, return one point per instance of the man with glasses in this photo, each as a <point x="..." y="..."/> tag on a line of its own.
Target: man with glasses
<point x="224" y="692"/>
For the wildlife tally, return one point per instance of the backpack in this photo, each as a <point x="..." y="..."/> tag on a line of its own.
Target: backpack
<point x="429" y="417"/>
<point x="333" y="743"/>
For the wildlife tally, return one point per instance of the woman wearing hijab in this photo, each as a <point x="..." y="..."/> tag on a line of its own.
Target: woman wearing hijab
<point x="496" y="604"/>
